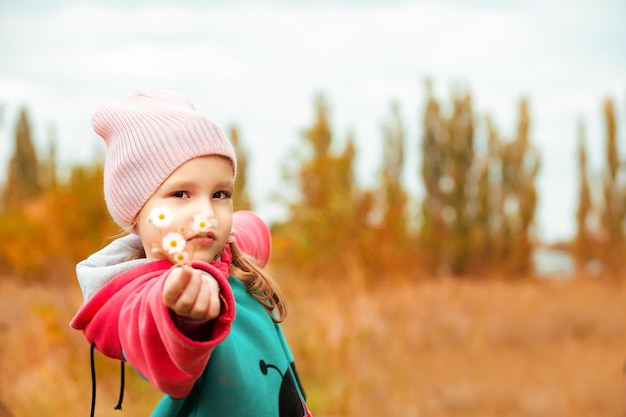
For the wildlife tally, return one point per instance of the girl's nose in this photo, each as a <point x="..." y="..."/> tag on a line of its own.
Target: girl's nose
<point x="205" y="208"/>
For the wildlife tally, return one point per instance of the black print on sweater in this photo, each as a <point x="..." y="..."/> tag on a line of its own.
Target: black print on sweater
<point x="289" y="401"/>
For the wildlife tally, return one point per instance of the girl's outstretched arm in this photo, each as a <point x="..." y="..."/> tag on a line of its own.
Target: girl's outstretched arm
<point x="127" y="320"/>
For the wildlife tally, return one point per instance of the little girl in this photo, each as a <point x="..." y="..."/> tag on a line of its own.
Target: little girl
<point x="193" y="314"/>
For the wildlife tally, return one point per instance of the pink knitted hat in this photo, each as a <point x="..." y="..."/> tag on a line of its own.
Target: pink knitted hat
<point x="148" y="136"/>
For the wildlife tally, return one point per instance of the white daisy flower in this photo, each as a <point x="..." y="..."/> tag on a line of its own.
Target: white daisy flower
<point x="202" y="223"/>
<point x="180" y="257"/>
<point x="173" y="243"/>
<point x="160" y="217"/>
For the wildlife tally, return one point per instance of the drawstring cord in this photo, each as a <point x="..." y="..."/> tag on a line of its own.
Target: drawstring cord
<point x="121" y="397"/>
<point x="93" y="383"/>
<point x="93" y="380"/>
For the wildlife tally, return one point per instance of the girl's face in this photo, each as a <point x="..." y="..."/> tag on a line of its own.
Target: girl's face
<point x="201" y="186"/>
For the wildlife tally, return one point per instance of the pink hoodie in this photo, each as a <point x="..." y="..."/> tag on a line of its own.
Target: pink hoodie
<point x="127" y="320"/>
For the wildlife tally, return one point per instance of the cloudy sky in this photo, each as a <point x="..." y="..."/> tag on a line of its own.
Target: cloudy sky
<point x="260" y="64"/>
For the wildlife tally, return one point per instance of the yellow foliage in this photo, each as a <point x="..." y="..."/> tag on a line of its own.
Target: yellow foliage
<point x="47" y="235"/>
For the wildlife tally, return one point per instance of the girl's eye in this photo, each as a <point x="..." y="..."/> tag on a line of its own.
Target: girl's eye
<point x="221" y="195"/>
<point x="180" y="194"/>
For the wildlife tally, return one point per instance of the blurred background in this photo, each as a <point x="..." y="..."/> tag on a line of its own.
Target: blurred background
<point x="444" y="182"/>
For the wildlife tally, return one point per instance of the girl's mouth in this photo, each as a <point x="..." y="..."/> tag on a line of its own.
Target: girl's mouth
<point x="204" y="241"/>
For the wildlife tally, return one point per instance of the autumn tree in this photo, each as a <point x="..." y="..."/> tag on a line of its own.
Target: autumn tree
<point x="447" y="160"/>
<point x="48" y="167"/>
<point x="433" y="227"/>
<point x="326" y="219"/>
<point x="23" y="182"/>
<point x="583" y="240"/>
<point x="392" y="239"/>
<point x="33" y="244"/>
<point x="613" y="211"/>
<point x="478" y="212"/>
<point x="242" y="198"/>
<point x="49" y="224"/>
<point x="519" y="166"/>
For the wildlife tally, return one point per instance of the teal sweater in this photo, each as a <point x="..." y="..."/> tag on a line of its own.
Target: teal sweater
<point x="251" y="373"/>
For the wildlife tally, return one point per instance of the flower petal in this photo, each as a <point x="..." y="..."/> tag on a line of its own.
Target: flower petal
<point x="160" y="217"/>
<point x="173" y="243"/>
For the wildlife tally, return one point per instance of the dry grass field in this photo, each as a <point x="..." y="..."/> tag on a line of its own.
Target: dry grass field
<point x="432" y="349"/>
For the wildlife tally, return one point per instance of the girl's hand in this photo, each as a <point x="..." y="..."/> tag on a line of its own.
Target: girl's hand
<point x="192" y="294"/>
